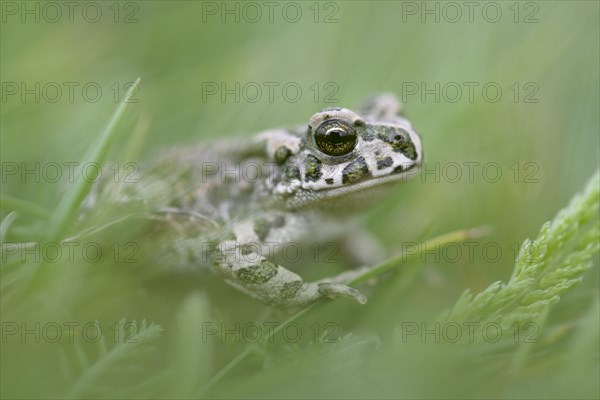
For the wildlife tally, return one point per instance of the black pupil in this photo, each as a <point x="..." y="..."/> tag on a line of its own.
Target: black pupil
<point x="336" y="135"/>
<point x="335" y="138"/>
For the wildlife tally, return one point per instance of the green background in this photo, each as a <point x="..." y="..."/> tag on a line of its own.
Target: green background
<point x="544" y="141"/>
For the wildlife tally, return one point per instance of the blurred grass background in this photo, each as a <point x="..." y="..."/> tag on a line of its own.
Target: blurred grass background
<point x="370" y="49"/>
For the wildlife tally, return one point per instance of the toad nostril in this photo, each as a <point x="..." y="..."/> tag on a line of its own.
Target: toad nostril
<point x="395" y="137"/>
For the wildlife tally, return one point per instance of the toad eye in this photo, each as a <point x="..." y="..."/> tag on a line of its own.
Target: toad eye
<point x="335" y="137"/>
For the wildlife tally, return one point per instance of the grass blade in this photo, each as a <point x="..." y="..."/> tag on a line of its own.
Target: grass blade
<point x="72" y="199"/>
<point x="22" y="206"/>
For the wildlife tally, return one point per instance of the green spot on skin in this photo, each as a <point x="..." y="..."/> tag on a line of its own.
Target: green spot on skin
<point x="279" y="221"/>
<point x="282" y="154"/>
<point x="355" y="171"/>
<point x="384" y="162"/>
<point x="290" y="289"/>
<point x="260" y="273"/>
<point x="399" y="169"/>
<point x="400" y="141"/>
<point x="247" y="249"/>
<point x="370" y="133"/>
<point x="262" y="228"/>
<point x="313" y="168"/>
<point x="292" y="172"/>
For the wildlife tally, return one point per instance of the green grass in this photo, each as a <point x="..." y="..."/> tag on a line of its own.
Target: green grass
<point x="69" y="205"/>
<point x="543" y="293"/>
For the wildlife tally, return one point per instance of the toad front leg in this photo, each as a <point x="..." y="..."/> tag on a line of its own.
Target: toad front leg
<point x="244" y="264"/>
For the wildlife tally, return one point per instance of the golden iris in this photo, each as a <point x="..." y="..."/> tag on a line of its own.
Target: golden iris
<point x="335" y="137"/>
